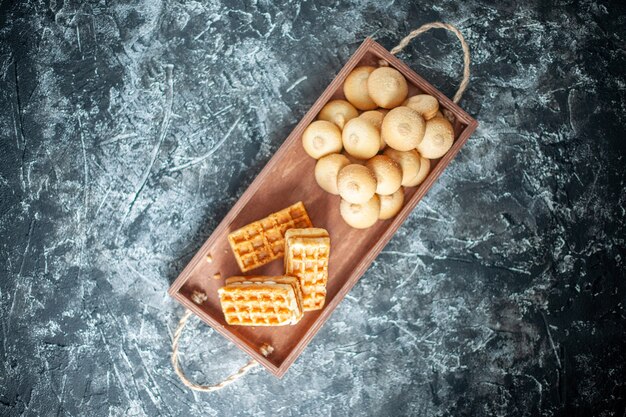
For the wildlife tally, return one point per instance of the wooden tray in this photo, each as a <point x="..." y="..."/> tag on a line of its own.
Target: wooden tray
<point x="286" y="179"/>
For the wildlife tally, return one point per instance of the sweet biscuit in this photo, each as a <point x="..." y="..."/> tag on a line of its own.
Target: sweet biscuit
<point x="261" y="242"/>
<point x="261" y="301"/>
<point x="306" y="257"/>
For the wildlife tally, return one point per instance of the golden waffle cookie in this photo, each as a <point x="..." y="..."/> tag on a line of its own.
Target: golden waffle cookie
<point x="306" y="257"/>
<point x="263" y="241"/>
<point x="261" y="301"/>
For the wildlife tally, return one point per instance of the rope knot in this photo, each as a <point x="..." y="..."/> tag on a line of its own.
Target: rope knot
<point x="266" y="349"/>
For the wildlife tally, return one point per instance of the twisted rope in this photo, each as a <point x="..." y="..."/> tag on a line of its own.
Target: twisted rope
<point x="251" y="364"/>
<point x="466" y="52"/>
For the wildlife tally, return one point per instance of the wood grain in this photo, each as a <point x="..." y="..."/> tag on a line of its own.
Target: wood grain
<point x="288" y="178"/>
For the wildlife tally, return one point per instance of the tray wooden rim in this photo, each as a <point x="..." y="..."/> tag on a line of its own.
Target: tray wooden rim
<point x="369" y="45"/>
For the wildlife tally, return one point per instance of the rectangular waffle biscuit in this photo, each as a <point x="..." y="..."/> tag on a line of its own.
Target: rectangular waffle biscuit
<point x="261" y="301"/>
<point x="306" y="257"/>
<point x="263" y="241"/>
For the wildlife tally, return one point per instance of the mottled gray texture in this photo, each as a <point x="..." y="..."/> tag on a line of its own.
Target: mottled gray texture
<point x="503" y="294"/>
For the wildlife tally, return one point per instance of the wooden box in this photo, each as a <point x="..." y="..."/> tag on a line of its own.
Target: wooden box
<point x="286" y="179"/>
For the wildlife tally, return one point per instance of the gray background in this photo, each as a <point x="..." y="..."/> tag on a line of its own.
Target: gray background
<point x="503" y="294"/>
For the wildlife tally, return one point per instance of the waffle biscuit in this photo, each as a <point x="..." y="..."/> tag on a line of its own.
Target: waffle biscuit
<point x="306" y="257"/>
<point x="261" y="301"/>
<point x="263" y="241"/>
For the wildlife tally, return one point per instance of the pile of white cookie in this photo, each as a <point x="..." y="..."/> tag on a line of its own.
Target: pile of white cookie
<point x="387" y="141"/>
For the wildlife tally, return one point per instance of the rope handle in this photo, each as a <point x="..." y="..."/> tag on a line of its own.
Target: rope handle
<point x="266" y="350"/>
<point x="466" y="52"/>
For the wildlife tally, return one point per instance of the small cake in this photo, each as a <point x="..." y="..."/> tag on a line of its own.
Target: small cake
<point x="426" y="105"/>
<point x="360" y="138"/>
<point x="375" y="117"/>
<point x="438" y="138"/>
<point x="355" y="88"/>
<point x="387" y="172"/>
<point x="390" y="205"/>
<point x="409" y="162"/>
<point x="356" y="183"/>
<point x="360" y="216"/>
<point x="421" y="174"/>
<point x="387" y="87"/>
<point x="327" y="169"/>
<point x="338" y="112"/>
<point x="403" y="128"/>
<point x="321" y="138"/>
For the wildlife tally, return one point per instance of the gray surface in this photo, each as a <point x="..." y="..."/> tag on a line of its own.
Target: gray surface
<point x="503" y="294"/>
